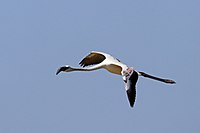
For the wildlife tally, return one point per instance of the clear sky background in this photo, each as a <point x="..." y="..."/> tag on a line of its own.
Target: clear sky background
<point x="160" y="37"/>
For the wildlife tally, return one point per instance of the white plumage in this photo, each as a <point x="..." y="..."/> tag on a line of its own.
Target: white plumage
<point x="97" y="60"/>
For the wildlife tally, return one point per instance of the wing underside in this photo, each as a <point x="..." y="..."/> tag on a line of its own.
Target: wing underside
<point x="131" y="87"/>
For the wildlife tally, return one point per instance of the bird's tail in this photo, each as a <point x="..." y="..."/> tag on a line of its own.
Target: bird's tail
<point x="168" y="81"/>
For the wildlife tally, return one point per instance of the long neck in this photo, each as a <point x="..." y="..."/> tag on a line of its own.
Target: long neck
<point x="80" y="69"/>
<point x="169" y="81"/>
<point x="84" y="69"/>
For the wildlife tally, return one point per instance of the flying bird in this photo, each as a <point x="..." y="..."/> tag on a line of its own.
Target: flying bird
<point x="98" y="60"/>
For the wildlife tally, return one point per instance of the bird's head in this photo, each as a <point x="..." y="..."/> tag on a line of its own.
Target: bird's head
<point x="65" y="68"/>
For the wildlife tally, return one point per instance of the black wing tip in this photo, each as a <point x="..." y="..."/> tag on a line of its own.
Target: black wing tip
<point x="131" y="97"/>
<point x="131" y="92"/>
<point x="82" y="64"/>
<point x="132" y="105"/>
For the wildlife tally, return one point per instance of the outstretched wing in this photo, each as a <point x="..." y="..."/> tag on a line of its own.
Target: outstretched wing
<point x="92" y="59"/>
<point x="131" y="87"/>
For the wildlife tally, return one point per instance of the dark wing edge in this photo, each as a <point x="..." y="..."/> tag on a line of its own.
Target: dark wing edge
<point x="131" y="88"/>
<point x="92" y="59"/>
<point x="131" y="93"/>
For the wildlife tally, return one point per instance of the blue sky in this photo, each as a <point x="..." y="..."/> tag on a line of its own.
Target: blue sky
<point x="158" y="37"/>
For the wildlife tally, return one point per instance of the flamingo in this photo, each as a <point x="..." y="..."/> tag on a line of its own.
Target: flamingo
<point x="98" y="60"/>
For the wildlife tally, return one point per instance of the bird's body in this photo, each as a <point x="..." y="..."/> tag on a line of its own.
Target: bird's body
<point x="101" y="60"/>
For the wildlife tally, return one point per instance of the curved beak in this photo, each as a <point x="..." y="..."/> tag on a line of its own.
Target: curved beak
<point x="63" y="68"/>
<point x="59" y="70"/>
